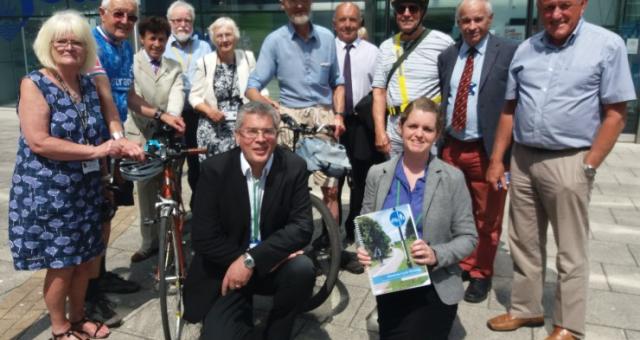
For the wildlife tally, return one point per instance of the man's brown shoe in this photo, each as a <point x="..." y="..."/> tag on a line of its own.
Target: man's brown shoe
<point x="507" y="322"/>
<point x="560" y="333"/>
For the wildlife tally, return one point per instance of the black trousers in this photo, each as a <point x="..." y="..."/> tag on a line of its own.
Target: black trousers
<point x="415" y="314"/>
<point x="190" y="117"/>
<point x="231" y="316"/>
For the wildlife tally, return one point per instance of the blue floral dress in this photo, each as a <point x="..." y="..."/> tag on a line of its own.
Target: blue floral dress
<point x="54" y="208"/>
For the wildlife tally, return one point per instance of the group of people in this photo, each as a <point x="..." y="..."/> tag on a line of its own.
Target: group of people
<point x="446" y="127"/>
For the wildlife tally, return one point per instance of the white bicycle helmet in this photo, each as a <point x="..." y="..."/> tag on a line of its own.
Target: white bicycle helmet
<point x="140" y="171"/>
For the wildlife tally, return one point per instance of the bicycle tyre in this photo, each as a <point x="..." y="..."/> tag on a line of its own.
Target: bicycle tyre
<point x="329" y="265"/>
<point x="169" y="282"/>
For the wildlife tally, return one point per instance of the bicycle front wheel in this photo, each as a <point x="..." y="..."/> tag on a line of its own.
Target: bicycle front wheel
<point x="170" y="281"/>
<point x="324" y="250"/>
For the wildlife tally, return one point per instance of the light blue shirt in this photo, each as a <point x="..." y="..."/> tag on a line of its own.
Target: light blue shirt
<point x="472" y="128"/>
<point x="255" y="187"/>
<point x="187" y="57"/>
<point x="560" y="90"/>
<point x="307" y="71"/>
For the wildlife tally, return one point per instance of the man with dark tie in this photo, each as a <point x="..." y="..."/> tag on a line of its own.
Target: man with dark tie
<point x="357" y="65"/>
<point x="473" y="78"/>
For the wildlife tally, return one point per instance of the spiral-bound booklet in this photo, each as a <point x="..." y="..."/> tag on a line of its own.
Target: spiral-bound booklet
<point x="387" y="235"/>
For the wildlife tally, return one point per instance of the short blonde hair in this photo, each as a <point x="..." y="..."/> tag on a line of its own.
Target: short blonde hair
<point x="223" y="22"/>
<point x="58" y="25"/>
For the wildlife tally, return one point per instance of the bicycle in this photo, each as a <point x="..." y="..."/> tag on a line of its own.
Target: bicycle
<point x="166" y="155"/>
<point x="325" y="248"/>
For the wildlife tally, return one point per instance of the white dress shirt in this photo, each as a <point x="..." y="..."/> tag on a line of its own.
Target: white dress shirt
<point x="363" y="66"/>
<point x="255" y="198"/>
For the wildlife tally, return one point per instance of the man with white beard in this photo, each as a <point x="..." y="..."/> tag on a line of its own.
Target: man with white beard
<point x="186" y="48"/>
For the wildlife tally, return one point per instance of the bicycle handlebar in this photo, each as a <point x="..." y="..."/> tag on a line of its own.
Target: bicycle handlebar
<point x="305" y="129"/>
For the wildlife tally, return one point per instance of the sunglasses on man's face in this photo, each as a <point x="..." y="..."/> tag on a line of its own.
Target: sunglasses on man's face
<point x="402" y="8"/>
<point x="132" y="18"/>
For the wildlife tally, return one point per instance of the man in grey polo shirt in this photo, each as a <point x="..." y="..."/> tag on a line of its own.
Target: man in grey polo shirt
<point x="566" y="105"/>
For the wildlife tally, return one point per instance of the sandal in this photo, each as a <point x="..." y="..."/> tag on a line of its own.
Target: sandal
<point x="69" y="332"/>
<point x="78" y="327"/>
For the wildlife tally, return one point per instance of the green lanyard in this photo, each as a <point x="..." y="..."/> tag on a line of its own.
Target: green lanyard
<point x="257" y="205"/>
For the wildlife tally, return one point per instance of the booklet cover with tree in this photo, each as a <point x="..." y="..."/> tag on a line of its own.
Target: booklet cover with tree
<point x="387" y="235"/>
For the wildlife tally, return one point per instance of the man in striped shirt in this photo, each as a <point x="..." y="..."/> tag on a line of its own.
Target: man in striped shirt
<point x="415" y="77"/>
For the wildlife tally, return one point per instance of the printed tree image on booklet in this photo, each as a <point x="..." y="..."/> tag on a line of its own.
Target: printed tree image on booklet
<point x="387" y="236"/>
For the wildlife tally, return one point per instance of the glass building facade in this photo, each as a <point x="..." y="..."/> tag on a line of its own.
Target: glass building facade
<point x="516" y="19"/>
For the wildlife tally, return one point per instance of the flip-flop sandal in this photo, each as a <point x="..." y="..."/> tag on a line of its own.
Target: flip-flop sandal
<point x="69" y="332"/>
<point x="77" y="326"/>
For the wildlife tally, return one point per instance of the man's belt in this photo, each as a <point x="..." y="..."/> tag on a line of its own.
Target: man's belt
<point x="567" y="150"/>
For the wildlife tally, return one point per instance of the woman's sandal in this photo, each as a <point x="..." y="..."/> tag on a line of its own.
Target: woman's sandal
<point x="78" y="327"/>
<point x="68" y="333"/>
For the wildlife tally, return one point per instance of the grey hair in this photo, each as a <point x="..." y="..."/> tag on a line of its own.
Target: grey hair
<point x="487" y="6"/>
<point x="222" y="22"/>
<point x="180" y="3"/>
<point x="345" y="4"/>
<point x="58" y="25"/>
<point x="105" y="3"/>
<point x="258" y="108"/>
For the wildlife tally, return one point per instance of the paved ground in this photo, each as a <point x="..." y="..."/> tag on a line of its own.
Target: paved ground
<point x="613" y="301"/>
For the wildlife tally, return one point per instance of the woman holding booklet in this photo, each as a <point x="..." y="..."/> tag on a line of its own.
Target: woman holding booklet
<point x="441" y="207"/>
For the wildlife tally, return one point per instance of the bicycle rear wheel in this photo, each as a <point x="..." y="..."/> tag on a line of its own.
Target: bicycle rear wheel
<point x="170" y="281"/>
<point x="324" y="251"/>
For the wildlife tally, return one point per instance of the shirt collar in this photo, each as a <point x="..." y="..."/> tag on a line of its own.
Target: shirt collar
<point x="481" y="46"/>
<point x="108" y="36"/>
<point x="246" y="168"/>
<point x="342" y="45"/>
<point x="292" y="31"/>
<point x="149" y="58"/>
<point x="572" y="37"/>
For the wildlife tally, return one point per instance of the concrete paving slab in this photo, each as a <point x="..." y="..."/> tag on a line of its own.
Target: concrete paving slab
<point x="635" y="251"/>
<point x="632" y="335"/>
<point x="609" y="252"/>
<point x="631" y="190"/>
<point x="613" y="309"/>
<point x="623" y="279"/>
<point x="593" y="332"/>
<point x="626" y="216"/>
<point x="615" y="233"/>
<point x="9" y="282"/>
<point x="130" y="240"/>
<point x="472" y="324"/>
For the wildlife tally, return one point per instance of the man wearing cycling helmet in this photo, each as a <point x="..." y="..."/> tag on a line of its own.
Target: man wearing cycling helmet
<point x="251" y="217"/>
<point x="415" y="77"/>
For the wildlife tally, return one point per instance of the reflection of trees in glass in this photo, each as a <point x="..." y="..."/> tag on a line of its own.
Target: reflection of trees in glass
<point x="409" y="230"/>
<point x="373" y="236"/>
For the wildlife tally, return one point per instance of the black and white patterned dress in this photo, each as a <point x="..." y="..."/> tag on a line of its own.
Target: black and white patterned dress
<point x="219" y="136"/>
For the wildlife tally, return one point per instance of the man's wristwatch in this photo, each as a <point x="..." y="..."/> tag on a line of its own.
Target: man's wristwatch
<point x="589" y="170"/>
<point x="248" y="261"/>
<point x="158" y="114"/>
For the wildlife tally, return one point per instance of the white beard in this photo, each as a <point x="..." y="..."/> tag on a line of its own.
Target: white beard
<point x="299" y="19"/>
<point x="182" y="37"/>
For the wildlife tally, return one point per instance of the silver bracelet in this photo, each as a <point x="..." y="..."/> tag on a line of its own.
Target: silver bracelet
<point x="117" y="135"/>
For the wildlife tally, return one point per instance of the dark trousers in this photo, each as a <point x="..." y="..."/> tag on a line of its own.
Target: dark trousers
<point x="190" y="117"/>
<point x="415" y="314"/>
<point x="359" y="143"/>
<point x="488" y="204"/>
<point x="231" y="316"/>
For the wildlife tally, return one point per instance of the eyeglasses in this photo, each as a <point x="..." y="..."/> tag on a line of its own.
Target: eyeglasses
<point x="181" y="21"/>
<point x="62" y="43"/>
<point x="132" y="18"/>
<point x="402" y="8"/>
<point x="253" y="133"/>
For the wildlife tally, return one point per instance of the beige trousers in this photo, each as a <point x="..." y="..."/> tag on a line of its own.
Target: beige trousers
<point x="550" y="186"/>
<point x="147" y="197"/>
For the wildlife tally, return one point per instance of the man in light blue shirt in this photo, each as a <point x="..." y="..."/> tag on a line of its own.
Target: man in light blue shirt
<point x="184" y="47"/>
<point x="302" y="56"/>
<point x="566" y="106"/>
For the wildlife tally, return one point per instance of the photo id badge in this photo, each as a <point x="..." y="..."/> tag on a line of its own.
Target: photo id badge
<point x="90" y="166"/>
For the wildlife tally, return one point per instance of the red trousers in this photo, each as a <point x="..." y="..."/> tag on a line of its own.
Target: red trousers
<point x="488" y="204"/>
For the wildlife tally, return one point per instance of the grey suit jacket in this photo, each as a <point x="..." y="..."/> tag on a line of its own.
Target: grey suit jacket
<point x="162" y="89"/>
<point x="492" y="87"/>
<point x="447" y="226"/>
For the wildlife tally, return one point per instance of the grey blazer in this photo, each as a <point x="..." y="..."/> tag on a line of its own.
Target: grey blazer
<point x="492" y="87"/>
<point x="447" y="226"/>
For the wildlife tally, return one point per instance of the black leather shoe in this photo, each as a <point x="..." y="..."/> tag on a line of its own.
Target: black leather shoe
<point x="477" y="290"/>
<point x="112" y="283"/>
<point x="349" y="262"/>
